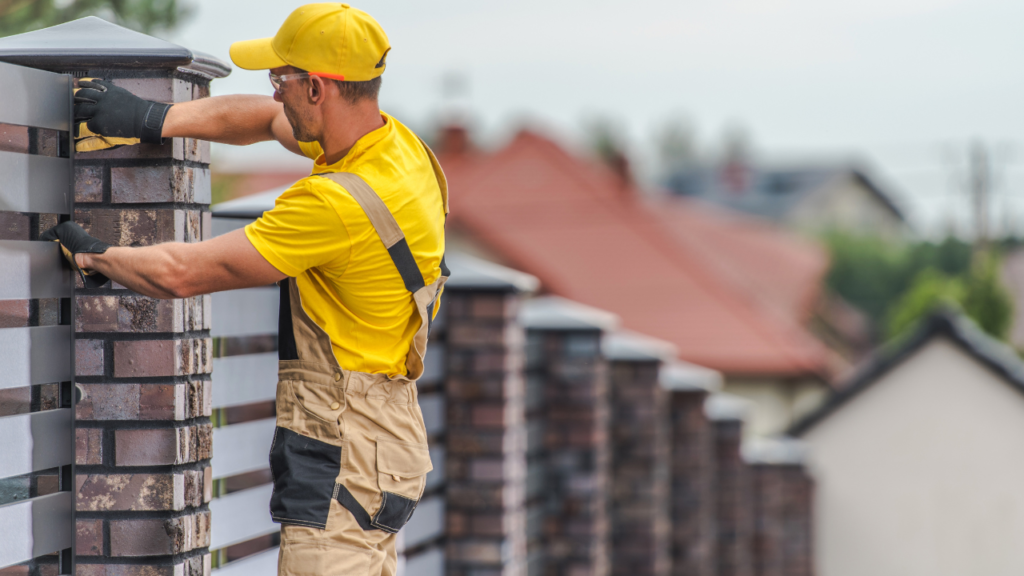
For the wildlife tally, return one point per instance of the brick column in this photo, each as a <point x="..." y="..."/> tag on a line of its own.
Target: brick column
<point x="143" y="433"/>
<point x="782" y="492"/>
<point x="694" y="504"/>
<point x="735" y="515"/>
<point x="568" y="404"/>
<point x="641" y="447"/>
<point x="486" y="439"/>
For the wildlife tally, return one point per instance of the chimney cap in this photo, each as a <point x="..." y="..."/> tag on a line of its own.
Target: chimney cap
<point x="91" y="43"/>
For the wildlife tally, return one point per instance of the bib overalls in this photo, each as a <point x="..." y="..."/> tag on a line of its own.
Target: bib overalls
<point x="349" y="457"/>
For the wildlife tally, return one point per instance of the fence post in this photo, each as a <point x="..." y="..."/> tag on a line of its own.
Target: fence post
<point x="486" y="437"/>
<point x="640" y="491"/>
<point x="569" y="447"/>
<point x="143" y="430"/>
<point x="734" y="547"/>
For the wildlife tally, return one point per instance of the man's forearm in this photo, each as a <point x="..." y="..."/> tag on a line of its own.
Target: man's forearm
<point x="156" y="271"/>
<point x="235" y="119"/>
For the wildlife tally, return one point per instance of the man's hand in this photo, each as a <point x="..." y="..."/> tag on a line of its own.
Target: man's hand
<point x="108" y="116"/>
<point x="74" y="240"/>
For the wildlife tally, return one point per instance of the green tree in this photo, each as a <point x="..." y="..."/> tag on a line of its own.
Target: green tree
<point x="987" y="300"/>
<point x="931" y="290"/>
<point x="147" y="16"/>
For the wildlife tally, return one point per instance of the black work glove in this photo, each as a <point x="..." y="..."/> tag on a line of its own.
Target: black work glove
<point x="74" y="240"/>
<point x="108" y="116"/>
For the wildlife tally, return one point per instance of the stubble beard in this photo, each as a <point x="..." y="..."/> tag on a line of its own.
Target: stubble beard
<point x="300" y="125"/>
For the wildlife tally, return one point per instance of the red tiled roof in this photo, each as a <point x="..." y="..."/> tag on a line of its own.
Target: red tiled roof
<point x="730" y="293"/>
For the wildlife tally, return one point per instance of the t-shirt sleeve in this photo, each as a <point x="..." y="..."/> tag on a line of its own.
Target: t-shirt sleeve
<point x="301" y="232"/>
<point x="311" y="150"/>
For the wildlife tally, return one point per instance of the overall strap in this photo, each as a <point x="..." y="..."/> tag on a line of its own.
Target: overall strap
<point x="385" y="224"/>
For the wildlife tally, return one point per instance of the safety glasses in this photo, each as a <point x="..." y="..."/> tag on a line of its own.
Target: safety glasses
<point x="276" y="80"/>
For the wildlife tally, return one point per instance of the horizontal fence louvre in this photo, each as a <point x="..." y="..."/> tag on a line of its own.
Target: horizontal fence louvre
<point x="35" y="441"/>
<point x="244" y="379"/>
<point x="241" y="516"/>
<point x="34" y="355"/>
<point x="430" y="563"/>
<point x="225" y="225"/>
<point x="248" y="312"/>
<point x="435" y="477"/>
<point x="432" y="406"/>
<point x="34" y="183"/>
<point x="261" y="564"/>
<point x="427" y="522"/>
<point x="35" y="98"/>
<point x="433" y="364"/>
<point x="241" y="448"/>
<point x="32" y="528"/>
<point x="33" y="270"/>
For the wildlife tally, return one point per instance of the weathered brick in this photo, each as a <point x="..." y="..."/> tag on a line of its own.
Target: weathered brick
<point x="89" y="181"/>
<point x="133" y="227"/>
<point x="14" y="138"/>
<point x="14" y="313"/>
<point x="89" y="357"/>
<point x="15" y="226"/>
<point x="89" y="533"/>
<point x="146" y="358"/>
<point x="89" y="446"/>
<point x="130" y="492"/>
<point x="135" y="313"/>
<point x="157" y="536"/>
<point x="133" y="402"/>
<point x="162" y="446"/>
<point x="160" y="184"/>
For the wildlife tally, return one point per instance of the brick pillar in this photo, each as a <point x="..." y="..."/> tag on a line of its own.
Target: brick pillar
<point x="782" y="492"/>
<point x="486" y="437"/>
<point x="694" y="503"/>
<point x="735" y="515"/>
<point x="568" y="408"/>
<point x="640" y="460"/>
<point x="143" y="432"/>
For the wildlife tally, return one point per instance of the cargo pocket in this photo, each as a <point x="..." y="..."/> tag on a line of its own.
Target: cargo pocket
<point x="401" y="475"/>
<point x="304" y="470"/>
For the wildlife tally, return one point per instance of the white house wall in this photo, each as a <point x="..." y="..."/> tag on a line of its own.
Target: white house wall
<point x="921" y="474"/>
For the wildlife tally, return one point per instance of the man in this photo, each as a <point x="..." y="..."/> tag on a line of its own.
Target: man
<point x="358" y="250"/>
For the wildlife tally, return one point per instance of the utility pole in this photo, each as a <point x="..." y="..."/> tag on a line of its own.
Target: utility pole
<point x="980" y="186"/>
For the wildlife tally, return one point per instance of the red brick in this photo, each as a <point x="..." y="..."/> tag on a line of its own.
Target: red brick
<point x="14" y="313"/>
<point x="160" y="184"/>
<point x="133" y="402"/>
<point x="130" y="492"/>
<point x="157" y="536"/>
<point x="14" y="226"/>
<point x="88" y="446"/>
<point x="162" y="446"/>
<point x="145" y="358"/>
<point x="89" y="183"/>
<point x="89" y="540"/>
<point x="14" y="138"/>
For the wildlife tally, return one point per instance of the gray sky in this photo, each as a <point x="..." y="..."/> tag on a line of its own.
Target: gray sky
<point x="900" y="86"/>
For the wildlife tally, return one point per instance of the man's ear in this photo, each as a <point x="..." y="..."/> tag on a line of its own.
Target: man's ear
<point x="317" y="90"/>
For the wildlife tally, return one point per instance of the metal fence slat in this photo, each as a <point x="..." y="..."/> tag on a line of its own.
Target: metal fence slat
<point x="33" y="270"/>
<point x="32" y="528"/>
<point x="34" y="183"/>
<point x="35" y="441"/>
<point x="35" y="355"/>
<point x="427" y="522"/>
<point x="244" y="379"/>
<point x="248" y="312"/>
<point x="432" y="406"/>
<point x="34" y="98"/>
<point x="433" y="364"/>
<point x="429" y="563"/>
<point x="260" y="564"/>
<point x="241" y="516"/>
<point x="241" y="448"/>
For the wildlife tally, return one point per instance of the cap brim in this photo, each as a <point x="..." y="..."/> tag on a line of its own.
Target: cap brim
<point x="255" y="55"/>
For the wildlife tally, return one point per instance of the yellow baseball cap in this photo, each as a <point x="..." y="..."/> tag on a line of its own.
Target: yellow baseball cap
<point x="331" y="40"/>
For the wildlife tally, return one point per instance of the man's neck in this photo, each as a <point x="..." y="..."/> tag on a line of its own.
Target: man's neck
<point x="347" y="126"/>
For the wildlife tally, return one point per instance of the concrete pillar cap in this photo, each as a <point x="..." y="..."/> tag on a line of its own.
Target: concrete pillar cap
<point x="557" y="313"/>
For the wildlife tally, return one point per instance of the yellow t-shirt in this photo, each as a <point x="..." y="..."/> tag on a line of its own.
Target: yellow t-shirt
<point x="348" y="283"/>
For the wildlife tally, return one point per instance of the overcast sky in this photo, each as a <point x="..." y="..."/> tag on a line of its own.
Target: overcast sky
<point x="899" y="86"/>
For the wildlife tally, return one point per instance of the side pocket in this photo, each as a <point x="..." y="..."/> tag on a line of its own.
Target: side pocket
<point x="401" y="475"/>
<point x="304" y="470"/>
